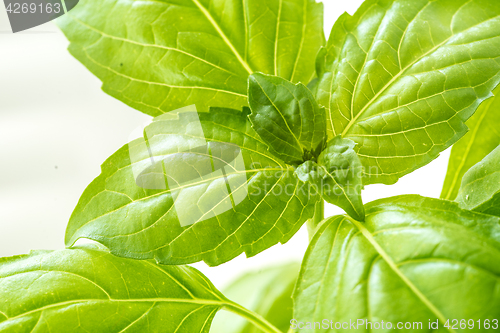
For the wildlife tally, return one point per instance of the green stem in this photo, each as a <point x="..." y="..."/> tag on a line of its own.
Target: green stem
<point x="319" y="215"/>
<point x="252" y="317"/>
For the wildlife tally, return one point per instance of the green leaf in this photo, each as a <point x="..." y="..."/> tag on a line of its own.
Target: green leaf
<point x="415" y="259"/>
<point x="401" y="77"/>
<point x="342" y="183"/>
<point x="310" y="172"/>
<point x="197" y="187"/>
<point x="287" y="117"/>
<point x="483" y="137"/>
<point x="86" y="290"/>
<point x="480" y="190"/>
<point x="336" y="176"/>
<point x="267" y="292"/>
<point x="160" y="55"/>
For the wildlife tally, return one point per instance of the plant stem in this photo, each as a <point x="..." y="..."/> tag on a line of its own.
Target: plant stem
<point x="319" y="215"/>
<point x="252" y="317"/>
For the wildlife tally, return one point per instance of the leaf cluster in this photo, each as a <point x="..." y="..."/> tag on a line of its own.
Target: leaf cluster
<point x="258" y="120"/>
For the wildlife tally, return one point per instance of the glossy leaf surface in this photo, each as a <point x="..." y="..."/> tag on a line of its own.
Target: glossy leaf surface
<point x="86" y="290"/>
<point x="401" y="77"/>
<point x="287" y="118"/>
<point x="267" y="292"/>
<point x="480" y="190"/>
<point x="483" y="137"/>
<point x="342" y="182"/>
<point x="160" y="55"/>
<point x="415" y="259"/>
<point x="197" y="187"/>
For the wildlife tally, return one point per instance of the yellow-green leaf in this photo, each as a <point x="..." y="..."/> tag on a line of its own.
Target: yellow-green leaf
<point x="401" y="77"/>
<point x="480" y="190"/>
<point x="415" y="260"/>
<point x="161" y="55"/>
<point x="198" y="186"/>
<point x="483" y="137"/>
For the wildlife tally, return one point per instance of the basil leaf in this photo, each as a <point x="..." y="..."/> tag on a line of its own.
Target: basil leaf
<point x="337" y="176"/>
<point x="310" y="172"/>
<point x="480" y="190"/>
<point x="198" y="187"/>
<point x="160" y="55"/>
<point x="342" y="183"/>
<point x="483" y="137"/>
<point x="267" y="292"/>
<point x="401" y="77"/>
<point x="86" y="290"/>
<point x="415" y="259"/>
<point x="287" y="118"/>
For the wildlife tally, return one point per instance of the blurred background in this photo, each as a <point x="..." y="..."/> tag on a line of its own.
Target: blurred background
<point x="57" y="127"/>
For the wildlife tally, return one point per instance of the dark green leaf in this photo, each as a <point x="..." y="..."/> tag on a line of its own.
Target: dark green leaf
<point x="480" y="190"/>
<point x="401" y="77"/>
<point x="198" y="187"/>
<point x="483" y="137"/>
<point x="86" y="290"/>
<point x="415" y="259"/>
<point x="160" y="55"/>
<point x="287" y="117"/>
<point x="267" y="292"/>
<point x="342" y="182"/>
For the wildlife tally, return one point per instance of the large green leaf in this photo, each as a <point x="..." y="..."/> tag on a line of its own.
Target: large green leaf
<point x="483" y="137"/>
<point x="160" y="55"/>
<point x="415" y="259"/>
<point x="86" y="290"/>
<point x="480" y="190"/>
<point x="401" y="77"/>
<point x="287" y="118"/>
<point x="198" y="187"/>
<point x="267" y="292"/>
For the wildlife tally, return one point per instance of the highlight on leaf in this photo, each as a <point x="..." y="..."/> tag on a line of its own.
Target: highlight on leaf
<point x="197" y="186"/>
<point x="161" y="55"/>
<point x="483" y="137"/>
<point x="401" y="77"/>
<point x="410" y="258"/>
<point x="480" y="190"/>
<point x="89" y="290"/>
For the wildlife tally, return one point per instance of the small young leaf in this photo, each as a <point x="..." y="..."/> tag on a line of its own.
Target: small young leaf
<point x="310" y="172"/>
<point x="287" y="117"/>
<point x="336" y="176"/>
<point x="483" y="137"/>
<point x="267" y="292"/>
<point x="199" y="186"/>
<point x="161" y="55"/>
<point x="342" y="182"/>
<point x="401" y="77"/>
<point x="414" y="259"/>
<point x="480" y="190"/>
<point x="86" y="290"/>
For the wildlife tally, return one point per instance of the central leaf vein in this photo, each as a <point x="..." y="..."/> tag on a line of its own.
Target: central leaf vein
<point x="369" y="237"/>
<point x="223" y="36"/>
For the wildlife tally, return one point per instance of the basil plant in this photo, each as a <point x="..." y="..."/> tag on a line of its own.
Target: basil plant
<point x="257" y="121"/>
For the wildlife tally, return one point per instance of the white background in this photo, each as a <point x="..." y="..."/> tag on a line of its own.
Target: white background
<point x="57" y="127"/>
